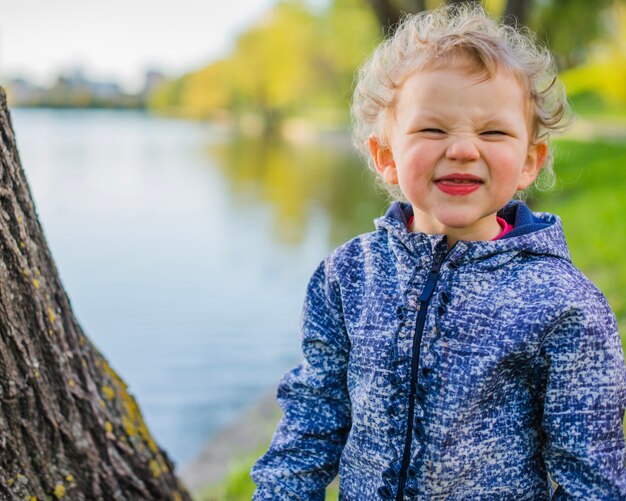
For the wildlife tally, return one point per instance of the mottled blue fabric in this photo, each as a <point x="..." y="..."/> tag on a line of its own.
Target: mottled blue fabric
<point x="521" y="373"/>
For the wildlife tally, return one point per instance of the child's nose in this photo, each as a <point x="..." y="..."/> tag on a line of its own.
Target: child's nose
<point x="462" y="149"/>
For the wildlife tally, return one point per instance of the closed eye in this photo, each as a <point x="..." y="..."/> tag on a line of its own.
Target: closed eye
<point x="433" y="131"/>
<point x="493" y="133"/>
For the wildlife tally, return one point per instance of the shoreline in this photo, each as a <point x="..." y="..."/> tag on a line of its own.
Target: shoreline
<point x="243" y="437"/>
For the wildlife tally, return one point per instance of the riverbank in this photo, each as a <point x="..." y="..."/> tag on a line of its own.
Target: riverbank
<point x="245" y="436"/>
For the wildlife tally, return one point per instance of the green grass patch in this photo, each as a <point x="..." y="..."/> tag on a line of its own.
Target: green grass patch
<point x="591" y="105"/>
<point x="590" y="197"/>
<point x="238" y="486"/>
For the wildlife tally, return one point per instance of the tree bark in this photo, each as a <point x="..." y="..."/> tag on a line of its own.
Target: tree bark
<point x="415" y="6"/>
<point x="457" y="2"/>
<point x="388" y="14"/>
<point x="69" y="429"/>
<point x="516" y="12"/>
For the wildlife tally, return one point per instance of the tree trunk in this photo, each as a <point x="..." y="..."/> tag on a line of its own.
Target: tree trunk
<point x="69" y="429"/>
<point x="388" y="14"/>
<point x="457" y="2"/>
<point x="415" y="5"/>
<point x="516" y="12"/>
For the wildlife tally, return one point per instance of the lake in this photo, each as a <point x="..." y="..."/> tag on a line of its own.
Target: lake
<point x="186" y="252"/>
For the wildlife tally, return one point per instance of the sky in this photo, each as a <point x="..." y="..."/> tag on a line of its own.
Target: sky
<point x="118" y="40"/>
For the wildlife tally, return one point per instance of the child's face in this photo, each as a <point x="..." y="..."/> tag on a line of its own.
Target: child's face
<point x="459" y="150"/>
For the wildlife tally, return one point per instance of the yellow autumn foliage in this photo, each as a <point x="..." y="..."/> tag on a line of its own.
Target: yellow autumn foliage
<point x="604" y="73"/>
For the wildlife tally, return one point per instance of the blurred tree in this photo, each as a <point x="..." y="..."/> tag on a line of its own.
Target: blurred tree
<point x="291" y="62"/>
<point x="274" y="63"/>
<point x="603" y="75"/>
<point x="570" y="26"/>
<point x="389" y="12"/>
<point x="517" y="11"/>
<point x="167" y="95"/>
<point x="347" y="33"/>
<point x="299" y="62"/>
<point x="68" y="426"/>
<point x="457" y="2"/>
<point x="201" y="95"/>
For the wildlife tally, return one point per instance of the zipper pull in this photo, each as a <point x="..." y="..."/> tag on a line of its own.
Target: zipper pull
<point x="431" y="281"/>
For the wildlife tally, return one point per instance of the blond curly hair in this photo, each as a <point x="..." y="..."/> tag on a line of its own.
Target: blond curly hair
<point x="428" y="39"/>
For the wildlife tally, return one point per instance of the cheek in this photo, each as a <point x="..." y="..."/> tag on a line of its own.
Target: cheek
<point x="508" y="162"/>
<point x="417" y="160"/>
<point x="506" y="176"/>
<point x="412" y="176"/>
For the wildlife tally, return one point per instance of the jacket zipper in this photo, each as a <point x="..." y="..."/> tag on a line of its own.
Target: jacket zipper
<point x="425" y="297"/>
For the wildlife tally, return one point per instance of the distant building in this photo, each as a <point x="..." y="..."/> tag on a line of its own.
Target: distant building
<point x="75" y="79"/>
<point x="152" y="79"/>
<point x="20" y="92"/>
<point x="106" y="90"/>
<point x="74" y="90"/>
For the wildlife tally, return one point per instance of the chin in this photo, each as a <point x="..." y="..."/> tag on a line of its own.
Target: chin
<point x="458" y="222"/>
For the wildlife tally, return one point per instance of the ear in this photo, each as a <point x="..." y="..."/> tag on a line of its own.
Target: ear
<point x="536" y="157"/>
<point x="383" y="159"/>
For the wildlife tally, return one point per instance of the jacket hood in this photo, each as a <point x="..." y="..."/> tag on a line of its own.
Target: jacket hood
<point x="538" y="233"/>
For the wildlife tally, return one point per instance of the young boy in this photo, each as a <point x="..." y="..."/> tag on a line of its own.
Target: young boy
<point x="455" y="352"/>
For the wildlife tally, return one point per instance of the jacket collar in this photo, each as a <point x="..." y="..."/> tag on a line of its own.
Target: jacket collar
<point x="533" y="233"/>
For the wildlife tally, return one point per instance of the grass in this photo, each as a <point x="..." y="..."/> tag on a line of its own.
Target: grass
<point x="591" y="106"/>
<point x="590" y="197"/>
<point x="238" y="485"/>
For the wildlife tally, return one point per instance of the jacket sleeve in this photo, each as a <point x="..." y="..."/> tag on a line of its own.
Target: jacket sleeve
<point x="303" y="456"/>
<point x="585" y="397"/>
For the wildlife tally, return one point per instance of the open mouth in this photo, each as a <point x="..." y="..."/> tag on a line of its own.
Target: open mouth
<point x="458" y="184"/>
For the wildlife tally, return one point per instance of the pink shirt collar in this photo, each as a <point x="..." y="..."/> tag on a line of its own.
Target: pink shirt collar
<point x="506" y="227"/>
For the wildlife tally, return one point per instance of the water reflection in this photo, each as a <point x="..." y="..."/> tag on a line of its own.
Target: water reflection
<point x="298" y="181"/>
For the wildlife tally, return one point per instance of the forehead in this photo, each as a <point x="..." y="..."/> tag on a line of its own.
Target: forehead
<point x="472" y="63"/>
<point x="459" y="87"/>
<point x="451" y="77"/>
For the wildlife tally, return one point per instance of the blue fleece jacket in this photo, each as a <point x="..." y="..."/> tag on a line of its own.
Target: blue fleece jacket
<point x="471" y="373"/>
